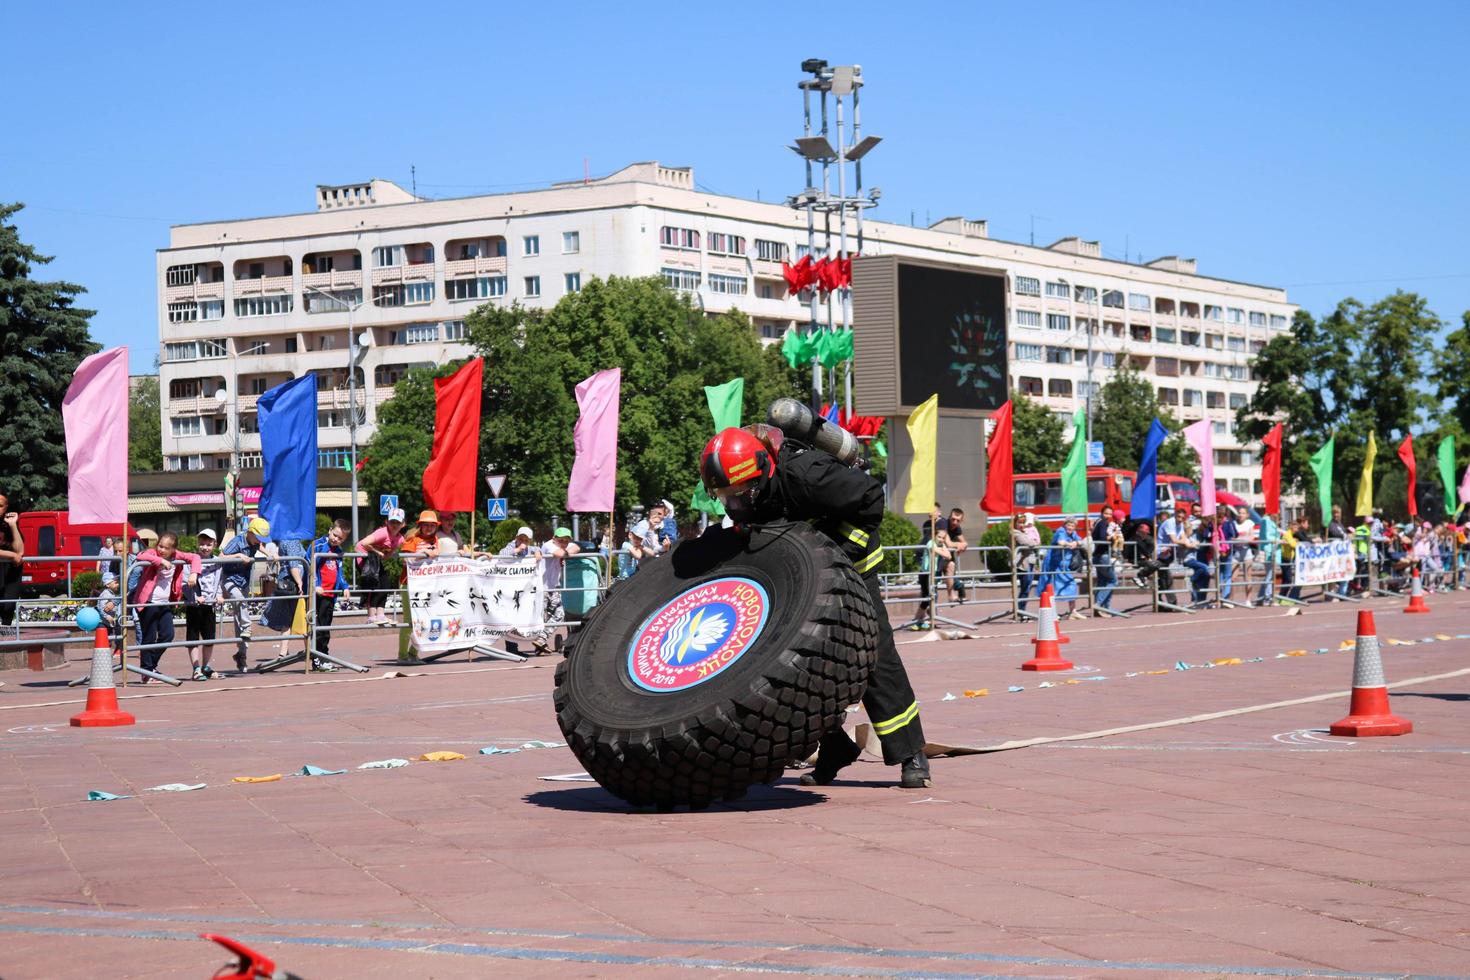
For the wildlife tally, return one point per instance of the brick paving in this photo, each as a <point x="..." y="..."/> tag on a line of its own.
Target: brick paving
<point x="1243" y="846"/>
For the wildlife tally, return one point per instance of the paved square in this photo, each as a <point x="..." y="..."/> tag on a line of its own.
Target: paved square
<point x="1247" y="845"/>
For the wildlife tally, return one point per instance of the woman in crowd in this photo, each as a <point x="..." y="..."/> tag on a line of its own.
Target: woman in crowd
<point x="371" y="578"/>
<point x="1026" y="542"/>
<point x="160" y="586"/>
<point x="12" y="557"/>
<point x="1062" y="562"/>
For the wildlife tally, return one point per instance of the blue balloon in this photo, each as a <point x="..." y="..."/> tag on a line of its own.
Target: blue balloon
<point x="88" y="618"/>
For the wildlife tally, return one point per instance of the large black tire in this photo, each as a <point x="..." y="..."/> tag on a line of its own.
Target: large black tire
<point x="711" y="738"/>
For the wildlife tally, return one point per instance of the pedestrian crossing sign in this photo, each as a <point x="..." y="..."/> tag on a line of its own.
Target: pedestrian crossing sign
<point x="387" y="502"/>
<point x="495" y="508"/>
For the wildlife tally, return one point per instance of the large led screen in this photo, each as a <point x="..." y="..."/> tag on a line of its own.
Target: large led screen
<point x="951" y="337"/>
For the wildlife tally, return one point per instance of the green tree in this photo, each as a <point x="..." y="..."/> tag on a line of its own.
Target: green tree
<point x="1036" y="436"/>
<point x="1124" y="409"/>
<point x="43" y="337"/>
<point x="145" y="435"/>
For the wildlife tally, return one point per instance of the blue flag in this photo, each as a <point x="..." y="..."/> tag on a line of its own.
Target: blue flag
<point x="1144" y="506"/>
<point x="288" y="452"/>
<point x="833" y="414"/>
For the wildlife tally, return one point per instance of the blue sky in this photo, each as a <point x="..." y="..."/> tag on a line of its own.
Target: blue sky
<point x="1319" y="146"/>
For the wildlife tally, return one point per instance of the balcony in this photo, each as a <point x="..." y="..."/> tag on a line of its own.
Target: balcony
<point x="485" y="265"/>
<point x="329" y="281"/>
<point x="262" y="286"/>
<point x="196" y="405"/>
<point x="196" y="291"/>
<point x="410" y="272"/>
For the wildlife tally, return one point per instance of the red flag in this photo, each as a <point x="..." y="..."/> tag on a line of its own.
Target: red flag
<point x="844" y="271"/>
<point x="449" y="479"/>
<point x="1271" y="470"/>
<point x="828" y="274"/>
<point x="998" y="494"/>
<point x="798" y="276"/>
<point x="1406" y="453"/>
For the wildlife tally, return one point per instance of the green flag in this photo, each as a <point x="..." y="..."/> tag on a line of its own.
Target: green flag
<point x="1321" y="463"/>
<point x="842" y="346"/>
<point x="1447" y="473"/>
<point x="798" y="348"/>
<point x="725" y="403"/>
<point x="1074" y="474"/>
<point x="829" y="345"/>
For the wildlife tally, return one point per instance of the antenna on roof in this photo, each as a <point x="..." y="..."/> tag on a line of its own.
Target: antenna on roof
<point x="586" y="171"/>
<point x="413" y="178"/>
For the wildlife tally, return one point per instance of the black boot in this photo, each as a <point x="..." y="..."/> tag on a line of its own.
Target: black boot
<point x="836" y="753"/>
<point x="915" y="773"/>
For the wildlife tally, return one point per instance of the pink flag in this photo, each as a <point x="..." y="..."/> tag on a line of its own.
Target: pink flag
<point x="95" y="415"/>
<point x="1465" y="487"/>
<point x="1202" y="439"/>
<point x="595" y="439"/>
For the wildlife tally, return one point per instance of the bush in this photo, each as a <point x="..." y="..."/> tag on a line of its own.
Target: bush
<point x="898" y="530"/>
<point x="86" y="585"/>
<point x="502" y="534"/>
<point x="997" y="536"/>
<point x="189" y="542"/>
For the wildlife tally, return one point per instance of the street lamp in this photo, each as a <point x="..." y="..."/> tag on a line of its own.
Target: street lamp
<point x="357" y="348"/>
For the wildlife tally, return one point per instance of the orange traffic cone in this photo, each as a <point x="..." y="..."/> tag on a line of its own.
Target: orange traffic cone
<point x="1369" y="713"/>
<point x="1416" y="594"/>
<point x="1048" y="654"/>
<point x="102" y="709"/>
<point x="1056" y="620"/>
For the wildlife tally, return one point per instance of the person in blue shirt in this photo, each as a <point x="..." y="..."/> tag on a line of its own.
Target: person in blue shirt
<point x="327" y="584"/>
<point x="1063" y="558"/>
<point x="1228" y="533"/>
<point x="236" y="556"/>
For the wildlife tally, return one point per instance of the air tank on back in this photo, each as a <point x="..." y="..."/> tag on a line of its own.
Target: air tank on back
<point x="799" y="422"/>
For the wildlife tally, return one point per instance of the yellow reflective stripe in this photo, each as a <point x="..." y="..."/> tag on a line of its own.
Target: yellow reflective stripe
<point x="870" y="562"/>
<point x="897" y="721"/>
<point x="856" y="535"/>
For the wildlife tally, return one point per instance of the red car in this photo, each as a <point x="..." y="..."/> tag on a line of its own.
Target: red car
<point x="49" y="533"/>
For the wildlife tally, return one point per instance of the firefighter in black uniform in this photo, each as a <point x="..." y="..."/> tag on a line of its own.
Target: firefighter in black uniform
<point x="762" y="477"/>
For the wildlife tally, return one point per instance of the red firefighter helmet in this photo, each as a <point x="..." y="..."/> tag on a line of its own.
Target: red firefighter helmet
<point x="733" y="459"/>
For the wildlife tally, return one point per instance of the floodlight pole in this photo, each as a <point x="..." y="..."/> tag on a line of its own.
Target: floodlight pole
<point x="352" y="347"/>
<point x="811" y="243"/>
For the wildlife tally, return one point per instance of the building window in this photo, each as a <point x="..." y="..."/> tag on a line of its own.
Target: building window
<point x="1235" y="344"/>
<point x="253" y="348"/>
<point x="212" y="309"/>
<point x="531" y="245"/>
<point x="1059" y="355"/>
<point x="334" y="459"/>
<point x="1234" y="315"/>
<point x="290" y="345"/>
<point x="1214" y="399"/>
<point x="1193" y="398"/>
<point x="1237" y="400"/>
<point x="1189" y="338"/>
<point x="1058" y="290"/>
<point x="1277" y="321"/>
<point x="1213" y="312"/>
<point x="533" y="286"/>
<point x="1239" y="485"/>
<point x="453" y="329"/>
<point x="1109" y="359"/>
<point x="679" y="237"/>
<point x="733" y="285"/>
<point x="769" y="251"/>
<point x="331" y="418"/>
<point x="385" y="256"/>
<point x="571" y="242"/>
<point x="1059" y="388"/>
<point x="573" y="282"/>
<point x="332" y="301"/>
<point x="1235" y="372"/>
<point x="416" y="333"/>
<point x="1085" y="294"/>
<point x="1028" y="352"/>
<point x="1164" y="335"/>
<point x="263" y="305"/>
<point x="723" y="244"/>
<point x="1113" y="298"/>
<point x="188" y="388"/>
<point x="1220" y="428"/>
<point x="1058" y="321"/>
<point x="183" y="312"/>
<point x="767" y="292"/>
<point x="1028" y="318"/>
<point x="1167" y="367"/>
<point x="1258" y="319"/>
<point x="1027" y="286"/>
<point x="482" y="287"/>
<point x="404" y="294"/>
<point x="685" y="279"/>
<point x="1169" y="396"/>
<point x="188" y="426"/>
<point x="1030" y="386"/>
<point x="180" y="275"/>
<point x="1140" y="302"/>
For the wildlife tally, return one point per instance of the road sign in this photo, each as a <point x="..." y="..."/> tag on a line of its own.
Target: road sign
<point x="1095" y="454"/>
<point x="496" y="482"/>
<point x="495" y="508"/>
<point x="387" y="502"/>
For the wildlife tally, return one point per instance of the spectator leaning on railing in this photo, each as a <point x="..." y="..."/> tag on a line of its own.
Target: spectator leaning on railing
<point x="554" y="554"/>
<point x="372" y="580"/>
<point x="327" y="583"/>
<point x="241" y="551"/>
<point x="1026" y="540"/>
<point x="159" y="587"/>
<point x="12" y="558"/>
<point x="203" y="599"/>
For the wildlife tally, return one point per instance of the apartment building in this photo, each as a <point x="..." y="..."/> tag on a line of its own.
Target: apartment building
<point x="247" y="304"/>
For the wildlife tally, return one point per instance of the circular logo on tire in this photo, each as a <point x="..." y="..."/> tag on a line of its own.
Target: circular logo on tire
<point x="697" y="634"/>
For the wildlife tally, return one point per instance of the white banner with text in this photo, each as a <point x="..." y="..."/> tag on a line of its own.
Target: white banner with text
<point x="1319" y="564"/>
<point x="454" y="603"/>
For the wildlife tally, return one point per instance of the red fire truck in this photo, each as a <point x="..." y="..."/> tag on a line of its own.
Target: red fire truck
<point x="1041" y="493"/>
<point x="49" y="533"/>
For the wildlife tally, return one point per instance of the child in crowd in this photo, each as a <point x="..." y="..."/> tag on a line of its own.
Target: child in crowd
<point x="372" y="580"/>
<point x="328" y="581"/>
<point x="200" y="617"/>
<point x="160" y="587"/>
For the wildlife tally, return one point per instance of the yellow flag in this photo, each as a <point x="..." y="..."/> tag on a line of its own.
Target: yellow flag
<point x="1365" y="483"/>
<point x="923" y="426"/>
